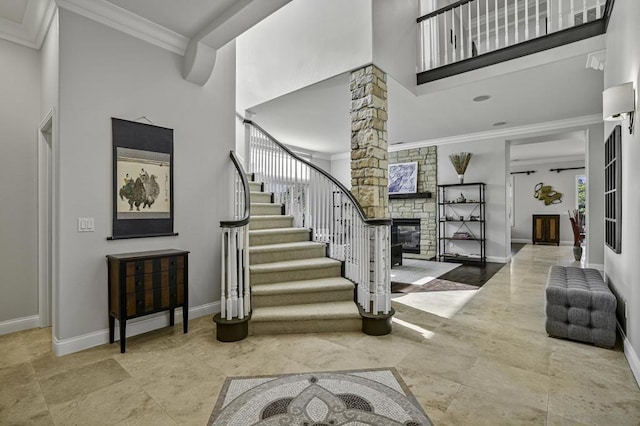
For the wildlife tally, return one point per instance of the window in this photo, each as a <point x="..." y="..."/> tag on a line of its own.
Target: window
<point x="581" y="198"/>
<point x="612" y="190"/>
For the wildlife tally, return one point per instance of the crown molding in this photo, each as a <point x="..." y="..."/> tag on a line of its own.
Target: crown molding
<point x="37" y="18"/>
<point x="127" y="22"/>
<point x="508" y="133"/>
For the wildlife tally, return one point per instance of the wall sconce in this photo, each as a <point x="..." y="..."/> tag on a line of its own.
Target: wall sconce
<point x="617" y="102"/>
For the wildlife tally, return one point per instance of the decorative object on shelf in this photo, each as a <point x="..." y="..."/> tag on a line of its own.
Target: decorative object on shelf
<point x="142" y="180"/>
<point x="574" y="218"/>
<point x="461" y="199"/>
<point x="547" y="194"/>
<point x="403" y="178"/>
<point x="474" y="218"/>
<point x="460" y="162"/>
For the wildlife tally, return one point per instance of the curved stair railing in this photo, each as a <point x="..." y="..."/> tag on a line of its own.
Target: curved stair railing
<point x="318" y="201"/>
<point x="235" y="300"/>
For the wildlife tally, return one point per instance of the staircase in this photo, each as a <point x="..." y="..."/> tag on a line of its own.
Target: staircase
<point x="295" y="287"/>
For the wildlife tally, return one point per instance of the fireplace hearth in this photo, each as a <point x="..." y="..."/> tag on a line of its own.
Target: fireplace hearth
<point x="407" y="233"/>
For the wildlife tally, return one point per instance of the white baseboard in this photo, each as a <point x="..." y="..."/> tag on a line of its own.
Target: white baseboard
<point x="19" y="324"/>
<point x="598" y="266"/>
<point x="528" y="241"/>
<point x="497" y="259"/>
<point x="631" y="355"/>
<point x="134" y="327"/>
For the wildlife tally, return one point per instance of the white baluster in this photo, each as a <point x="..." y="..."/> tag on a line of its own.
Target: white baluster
<point x="454" y="44"/>
<point x="470" y="49"/>
<point x="421" y="44"/>
<point x="537" y="18"/>
<point x="526" y="19"/>
<point x="572" y="14"/>
<point x="506" y="23"/>
<point x="461" y="44"/>
<point x="584" y="11"/>
<point x="479" y="45"/>
<point x="445" y="39"/>
<point x="559" y="15"/>
<point x="515" y="22"/>
<point x="497" y="24"/>
<point x="598" y="9"/>
<point x="486" y="22"/>
<point x="549" y="16"/>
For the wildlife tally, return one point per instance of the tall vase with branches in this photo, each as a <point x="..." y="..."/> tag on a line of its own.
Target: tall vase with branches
<point x="574" y="218"/>
<point x="460" y="162"/>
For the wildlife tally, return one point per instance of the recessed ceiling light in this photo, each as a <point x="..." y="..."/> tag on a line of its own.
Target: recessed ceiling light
<point x="481" y="98"/>
<point x="499" y="123"/>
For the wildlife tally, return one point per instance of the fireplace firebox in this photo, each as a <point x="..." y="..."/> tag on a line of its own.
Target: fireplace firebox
<point x="407" y="233"/>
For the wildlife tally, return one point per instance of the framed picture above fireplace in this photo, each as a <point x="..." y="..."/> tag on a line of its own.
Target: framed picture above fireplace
<point x="403" y="178"/>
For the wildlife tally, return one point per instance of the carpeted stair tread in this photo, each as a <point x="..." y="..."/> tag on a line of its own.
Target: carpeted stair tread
<point x="312" y="311"/>
<point x="300" y="245"/>
<point x="259" y="237"/>
<point x="268" y="253"/>
<point x="260" y="197"/>
<point x="255" y="186"/>
<point x="303" y="286"/>
<point x="264" y="209"/>
<point x="270" y="221"/>
<point x="294" y="265"/>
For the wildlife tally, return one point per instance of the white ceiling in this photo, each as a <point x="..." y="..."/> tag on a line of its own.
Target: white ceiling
<point x="13" y="10"/>
<point x="317" y="117"/>
<point x="183" y="17"/>
<point x="23" y="21"/>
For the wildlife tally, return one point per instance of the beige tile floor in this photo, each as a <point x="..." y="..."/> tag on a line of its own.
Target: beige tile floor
<point x="488" y="361"/>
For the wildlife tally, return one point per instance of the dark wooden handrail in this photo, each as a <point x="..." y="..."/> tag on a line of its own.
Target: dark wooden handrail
<point x="372" y="222"/>
<point x="442" y="10"/>
<point x="247" y="201"/>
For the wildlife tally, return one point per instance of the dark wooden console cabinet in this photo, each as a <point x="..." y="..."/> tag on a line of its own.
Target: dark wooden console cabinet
<point x="546" y="229"/>
<point x="143" y="283"/>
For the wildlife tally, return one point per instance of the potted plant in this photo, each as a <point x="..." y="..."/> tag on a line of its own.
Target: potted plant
<point x="574" y="217"/>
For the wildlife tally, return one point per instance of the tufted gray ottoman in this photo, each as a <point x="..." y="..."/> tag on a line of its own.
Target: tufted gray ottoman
<point x="580" y="306"/>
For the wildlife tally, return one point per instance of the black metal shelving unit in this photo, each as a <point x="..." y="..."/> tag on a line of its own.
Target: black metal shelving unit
<point x="460" y="236"/>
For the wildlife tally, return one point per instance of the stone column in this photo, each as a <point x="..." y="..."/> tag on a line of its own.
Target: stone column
<point x="369" y="156"/>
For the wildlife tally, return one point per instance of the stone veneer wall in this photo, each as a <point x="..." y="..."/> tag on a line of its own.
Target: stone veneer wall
<point x="369" y="157"/>
<point x="422" y="208"/>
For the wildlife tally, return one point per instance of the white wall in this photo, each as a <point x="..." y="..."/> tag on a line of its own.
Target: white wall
<point x="526" y="205"/>
<point x="395" y="39"/>
<point x="304" y="42"/>
<point x="623" y="65"/>
<point x="595" y="196"/>
<point x="341" y="170"/>
<point x="104" y="74"/>
<point x="19" y="119"/>
<point x="488" y="165"/>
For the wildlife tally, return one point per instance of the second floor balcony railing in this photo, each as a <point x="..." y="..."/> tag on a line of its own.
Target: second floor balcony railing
<point x="472" y="28"/>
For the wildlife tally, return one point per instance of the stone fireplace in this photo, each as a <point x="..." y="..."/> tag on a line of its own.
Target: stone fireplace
<point x="419" y="208"/>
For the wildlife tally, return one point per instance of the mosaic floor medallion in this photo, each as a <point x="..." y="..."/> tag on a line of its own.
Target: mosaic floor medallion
<point x="346" y="398"/>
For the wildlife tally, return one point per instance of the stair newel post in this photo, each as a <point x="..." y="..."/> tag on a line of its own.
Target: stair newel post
<point x="232" y="321"/>
<point x="223" y="273"/>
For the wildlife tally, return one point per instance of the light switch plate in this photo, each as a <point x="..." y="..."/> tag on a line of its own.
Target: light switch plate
<point x="85" y="224"/>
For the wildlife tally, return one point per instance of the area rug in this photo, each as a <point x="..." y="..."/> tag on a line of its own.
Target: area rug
<point x="436" y="284"/>
<point x="376" y="397"/>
